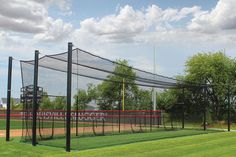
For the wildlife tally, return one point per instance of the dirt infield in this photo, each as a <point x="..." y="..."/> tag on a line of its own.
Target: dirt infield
<point x="81" y="130"/>
<point x="13" y="133"/>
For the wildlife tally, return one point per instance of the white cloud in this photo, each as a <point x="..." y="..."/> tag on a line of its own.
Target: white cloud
<point x="22" y="16"/>
<point x="125" y="25"/>
<point x="156" y="25"/>
<point x="56" y="30"/>
<point x="32" y="17"/>
<point x="222" y="17"/>
<point x="128" y="23"/>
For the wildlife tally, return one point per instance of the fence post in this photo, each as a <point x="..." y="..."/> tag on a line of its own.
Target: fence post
<point x="35" y="97"/>
<point x="204" y="113"/>
<point x="151" y="119"/>
<point x="183" y="116"/>
<point x="228" y="107"/>
<point x="77" y="116"/>
<point x="68" y="112"/>
<point x="119" y="115"/>
<point x="8" y="99"/>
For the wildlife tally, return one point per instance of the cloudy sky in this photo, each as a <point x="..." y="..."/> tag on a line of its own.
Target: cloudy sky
<point x="127" y="29"/>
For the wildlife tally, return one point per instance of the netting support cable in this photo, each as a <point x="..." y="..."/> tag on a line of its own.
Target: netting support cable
<point x="35" y="97"/>
<point x="8" y="99"/>
<point x="68" y="112"/>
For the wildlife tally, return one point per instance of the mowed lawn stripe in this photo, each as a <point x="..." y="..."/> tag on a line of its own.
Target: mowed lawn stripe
<point x="210" y="145"/>
<point x="218" y="144"/>
<point x="112" y="140"/>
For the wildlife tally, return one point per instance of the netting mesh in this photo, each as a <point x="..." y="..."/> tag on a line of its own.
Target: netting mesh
<point x="107" y="98"/>
<point x="87" y="65"/>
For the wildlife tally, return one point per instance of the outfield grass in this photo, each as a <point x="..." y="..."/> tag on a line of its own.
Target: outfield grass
<point x="15" y="124"/>
<point x="210" y="145"/>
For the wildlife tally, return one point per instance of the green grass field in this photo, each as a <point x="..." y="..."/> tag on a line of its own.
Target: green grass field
<point x="83" y="143"/>
<point x="171" y="143"/>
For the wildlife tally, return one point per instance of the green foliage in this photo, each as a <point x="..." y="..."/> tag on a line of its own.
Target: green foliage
<point x="211" y="68"/>
<point x="81" y="100"/>
<point x="214" y="69"/>
<point x="59" y="103"/>
<point x="14" y="105"/>
<point x="18" y="106"/>
<point x="92" y="92"/>
<point x="144" y="100"/>
<point x="167" y="99"/>
<point x="46" y="102"/>
<point x="110" y="93"/>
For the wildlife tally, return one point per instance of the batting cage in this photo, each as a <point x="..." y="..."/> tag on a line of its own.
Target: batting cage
<point x="73" y="95"/>
<point x="80" y="94"/>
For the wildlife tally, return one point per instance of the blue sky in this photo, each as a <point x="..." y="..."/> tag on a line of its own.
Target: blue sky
<point x="127" y="29"/>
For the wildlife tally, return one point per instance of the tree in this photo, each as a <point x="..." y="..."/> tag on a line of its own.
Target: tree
<point x="109" y="92"/>
<point x="167" y="99"/>
<point x="81" y="99"/>
<point x="14" y="105"/>
<point x="59" y="103"/>
<point x="144" y="99"/>
<point x="216" y="70"/>
<point x="92" y="91"/>
<point x="46" y="102"/>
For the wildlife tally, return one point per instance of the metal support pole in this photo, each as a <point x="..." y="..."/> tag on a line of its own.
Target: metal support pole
<point x="8" y="99"/>
<point x="183" y="116"/>
<point x="35" y="97"/>
<point x="228" y="108"/>
<point x="151" y="119"/>
<point x="204" y="113"/>
<point x="77" y="115"/>
<point x="123" y="95"/>
<point x="68" y="112"/>
<point x="119" y="115"/>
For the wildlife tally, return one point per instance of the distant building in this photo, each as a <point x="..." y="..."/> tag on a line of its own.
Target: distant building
<point x="3" y="102"/>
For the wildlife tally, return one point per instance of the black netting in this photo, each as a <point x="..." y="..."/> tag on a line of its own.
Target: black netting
<point x="107" y="98"/>
<point x="87" y="65"/>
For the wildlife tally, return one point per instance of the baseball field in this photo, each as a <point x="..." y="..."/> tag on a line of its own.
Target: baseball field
<point x="167" y="143"/>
